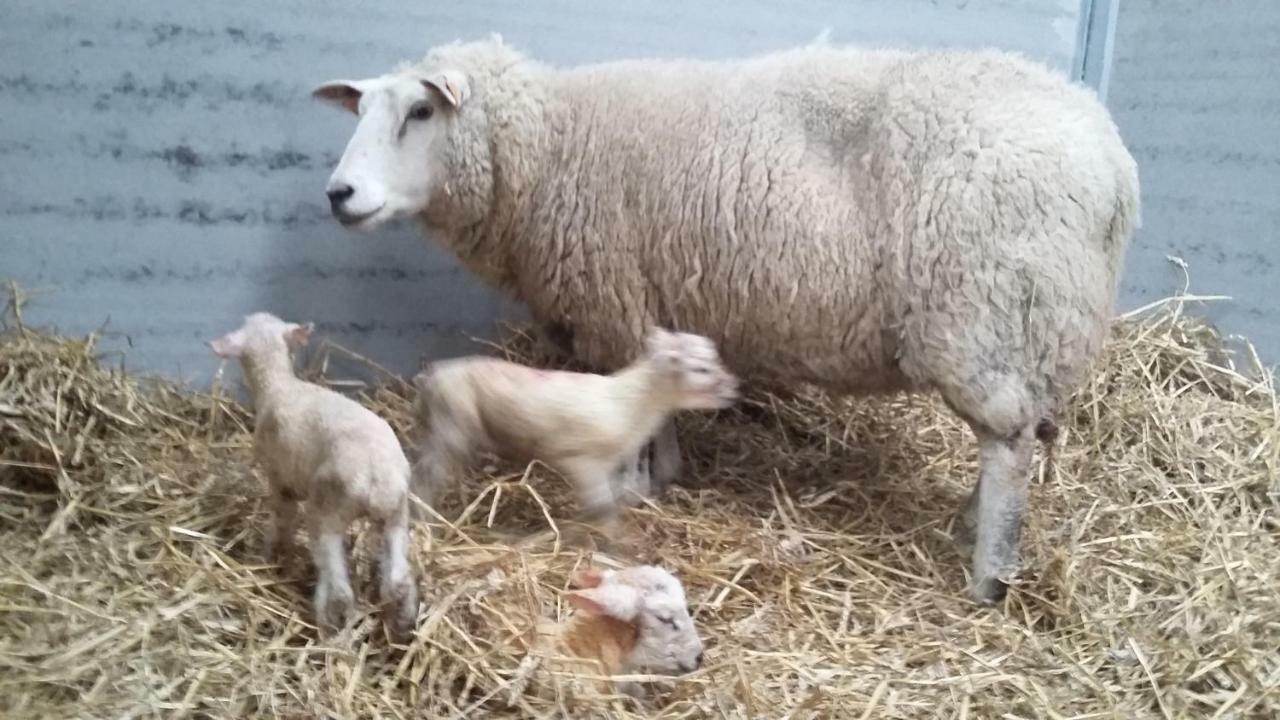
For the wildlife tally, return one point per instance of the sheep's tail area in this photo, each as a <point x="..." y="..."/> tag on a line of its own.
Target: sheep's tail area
<point x="1125" y="218"/>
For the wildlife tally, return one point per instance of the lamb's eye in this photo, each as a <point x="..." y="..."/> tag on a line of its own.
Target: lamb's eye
<point x="421" y="111"/>
<point x="670" y="621"/>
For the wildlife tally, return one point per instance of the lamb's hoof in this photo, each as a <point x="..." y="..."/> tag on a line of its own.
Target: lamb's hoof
<point x="400" y="608"/>
<point x="334" y="606"/>
<point x="989" y="591"/>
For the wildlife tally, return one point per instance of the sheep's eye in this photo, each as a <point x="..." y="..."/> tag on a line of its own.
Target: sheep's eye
<point x="670" y="621"/>
<point x="421" y="111"/>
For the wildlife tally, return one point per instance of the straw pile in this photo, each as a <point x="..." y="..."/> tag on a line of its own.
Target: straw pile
<point x="813" y="535"/>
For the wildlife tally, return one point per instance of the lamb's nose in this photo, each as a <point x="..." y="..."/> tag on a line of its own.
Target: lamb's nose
<point x="339" y="194"/>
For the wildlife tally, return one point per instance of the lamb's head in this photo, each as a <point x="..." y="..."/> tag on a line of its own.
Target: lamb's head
<point x="396" y="159"/>
<point x="261" y="332"/>
<point x="651" y="600"/>
<point x="691" y="367"/>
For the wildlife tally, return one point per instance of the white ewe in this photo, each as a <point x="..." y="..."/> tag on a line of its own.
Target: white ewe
<point x="344" y="461"/>
<point x="864" y="220"/>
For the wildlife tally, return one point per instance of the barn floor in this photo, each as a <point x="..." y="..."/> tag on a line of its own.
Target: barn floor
<point x="812" y="534"/>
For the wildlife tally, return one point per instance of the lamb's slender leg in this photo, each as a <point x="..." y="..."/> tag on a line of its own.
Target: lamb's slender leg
<point x="279" y="541"/>
<point x="1001" y="499"/>
<point x="442" y="458"/>
<point x="591" y="479"/>
<point x="666" y="463"/>
<point x="334" y="599"/>
<point x="398" y="592"/>
<point x="631" y="480"/>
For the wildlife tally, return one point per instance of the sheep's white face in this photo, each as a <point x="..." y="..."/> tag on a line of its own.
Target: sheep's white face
<point x="652" y="599"/>
<point x="701" y="380"/>
<point x="261" y="331"/>
<point x="393" y="162"/>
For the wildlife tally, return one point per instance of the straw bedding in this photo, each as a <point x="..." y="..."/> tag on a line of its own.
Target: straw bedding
<point x="813" y="535"/>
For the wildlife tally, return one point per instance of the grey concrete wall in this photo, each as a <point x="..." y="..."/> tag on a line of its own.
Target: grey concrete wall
<point x="1195" y="92"/>
<point x="163" y="165"/>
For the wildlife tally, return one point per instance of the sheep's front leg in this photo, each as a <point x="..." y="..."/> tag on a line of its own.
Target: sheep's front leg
<point x="999" y="502"/>
<point x="666" y="463"/>
<point x="591" y="479"/>
<point x="278" y="544"/>
<point x="631" y="480"/>
<point x="651" y="471"/>
<point x="334" y="599"/>
<point x="398" y="592"/>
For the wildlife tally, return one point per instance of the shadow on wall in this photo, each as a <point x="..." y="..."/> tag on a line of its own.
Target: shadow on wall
<point x="392" y="295"/>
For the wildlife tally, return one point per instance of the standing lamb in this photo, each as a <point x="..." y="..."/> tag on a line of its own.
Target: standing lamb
<point x="867" y="221"/>
<point x="583" y="425"/>
<point x="316" y="445"/>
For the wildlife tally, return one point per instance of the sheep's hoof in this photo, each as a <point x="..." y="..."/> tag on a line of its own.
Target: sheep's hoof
<point x="989" y="591"/>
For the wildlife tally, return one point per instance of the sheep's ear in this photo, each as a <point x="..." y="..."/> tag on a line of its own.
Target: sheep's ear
<point x="230" y="345"/>
<point x="588" y="577"/>
<point x="298" y="335"/>
<point x="452" y="84"/>
<point x="617" y="601"/>
<point x="343" y="93"/>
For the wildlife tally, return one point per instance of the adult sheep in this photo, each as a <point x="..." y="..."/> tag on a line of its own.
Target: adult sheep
<point x="867" y="221"/>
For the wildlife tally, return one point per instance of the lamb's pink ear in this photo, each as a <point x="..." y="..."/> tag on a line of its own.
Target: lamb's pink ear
<point x="343" y="93"/>
<point x="298" y="335"/>
<point x="588" y="577"/>
<point x="230" y="345"/>
<point x="612" y="599"/>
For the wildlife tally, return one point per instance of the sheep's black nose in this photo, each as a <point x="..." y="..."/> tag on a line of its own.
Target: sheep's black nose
<point x="339" y="194"/>
<point x="697" y="662"/>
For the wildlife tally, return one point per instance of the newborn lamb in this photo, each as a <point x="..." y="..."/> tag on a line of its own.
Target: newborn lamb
<point x="316" y="445"/>
<point x="583" y="425"/>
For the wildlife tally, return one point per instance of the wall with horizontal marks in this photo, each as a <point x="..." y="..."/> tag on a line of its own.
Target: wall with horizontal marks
<point x="1194" y="89"/>
<point x="163" y="165"/>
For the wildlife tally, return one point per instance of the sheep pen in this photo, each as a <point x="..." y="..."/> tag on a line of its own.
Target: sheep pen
<point x="813" y="535"/>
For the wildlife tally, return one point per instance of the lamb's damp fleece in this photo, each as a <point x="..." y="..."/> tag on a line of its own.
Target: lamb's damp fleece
<point x="867" y="221"/>
<point x="582" y="424"/>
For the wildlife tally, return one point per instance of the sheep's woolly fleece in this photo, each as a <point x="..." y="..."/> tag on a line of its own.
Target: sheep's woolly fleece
<point x="812" y="537"/>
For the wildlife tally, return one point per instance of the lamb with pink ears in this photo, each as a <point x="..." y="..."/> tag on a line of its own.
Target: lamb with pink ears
<point x="344" y="461"/>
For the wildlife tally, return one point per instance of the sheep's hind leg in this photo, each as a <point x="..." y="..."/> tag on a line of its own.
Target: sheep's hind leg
<point x="997" y="507"/>
<point x="398" y="591"/>
<point x="278" y="544"/>
<point x="442" y="460"/>
<point x="334" y="599"/>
